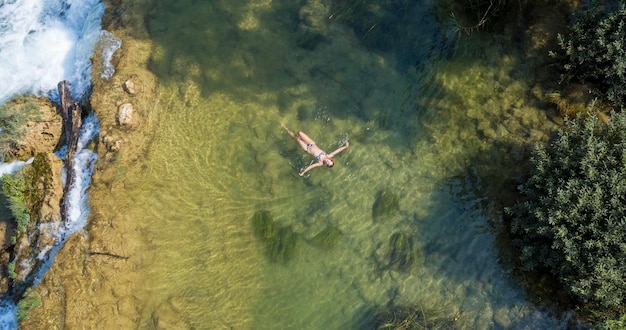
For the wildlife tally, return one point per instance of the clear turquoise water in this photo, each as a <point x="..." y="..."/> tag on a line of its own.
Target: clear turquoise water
<point x="431" y="122"/>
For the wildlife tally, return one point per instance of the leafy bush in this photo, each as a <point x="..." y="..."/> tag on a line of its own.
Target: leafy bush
<point x="572" y="216"/>
<point x="30" y="300"/>
<point x="596" y="49"/>
<point x="13" y="188"/>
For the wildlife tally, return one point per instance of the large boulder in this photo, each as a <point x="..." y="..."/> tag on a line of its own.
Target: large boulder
<point x="42" y="130"/>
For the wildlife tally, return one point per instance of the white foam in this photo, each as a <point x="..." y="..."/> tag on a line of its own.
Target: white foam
<point x="85" y="161"/>
<point x="14" y="166"/>
<point x="45" y="41"/>
<point x="108" y="45"/>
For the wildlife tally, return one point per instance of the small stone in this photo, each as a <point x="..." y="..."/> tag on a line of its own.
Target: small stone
<point x="125" y="114"/>
<point x="112" y="143"/>
<point x="129" y="87"/>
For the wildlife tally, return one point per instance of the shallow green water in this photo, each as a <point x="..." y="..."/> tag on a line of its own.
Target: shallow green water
<point x="231" y="72"/>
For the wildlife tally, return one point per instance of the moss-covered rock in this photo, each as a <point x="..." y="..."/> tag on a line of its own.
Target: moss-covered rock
<point x="284" y="245"/>
<point x="387" y="204"/>
<point x="403" y="252"/>
<point x="327" y="238"/>
<point x="34" y="194"/>
<point x="414" y="317"/>
<point x="264" y="225"/>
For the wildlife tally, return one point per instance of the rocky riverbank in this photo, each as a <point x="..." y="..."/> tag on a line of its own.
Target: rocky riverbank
<point x="42" y="133"/>
<point x="94" y="275"/>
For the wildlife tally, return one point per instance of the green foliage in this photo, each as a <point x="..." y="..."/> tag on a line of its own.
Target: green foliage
<point x="37" y="176"/>
<point x="13" y="117"/>
<point x="386" y="205"/>
<point x="596" y="49"/>
<point x="403" y="252"/>
<point x="11" y="270"/>
<point x="327" y="238"/>
<point x="572" y="217"/>
<point x="13" y="188"/>
<point x="30" y="300"/>
<point x="618" y="324"/>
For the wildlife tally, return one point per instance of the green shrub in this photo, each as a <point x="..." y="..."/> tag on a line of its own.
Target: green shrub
<point x="571" y="219"/>
<point x="30" y="300"/>
<point x="11" y="270"/>
<point x="13" y="187"/>
<point x="596" y="49"/>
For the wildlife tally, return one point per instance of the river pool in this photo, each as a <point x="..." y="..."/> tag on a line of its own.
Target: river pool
<point x="429" y="115"/>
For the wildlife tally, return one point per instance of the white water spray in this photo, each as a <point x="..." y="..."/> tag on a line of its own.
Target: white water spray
<point x="43" y="42"/>
<point x="14" y="166"/>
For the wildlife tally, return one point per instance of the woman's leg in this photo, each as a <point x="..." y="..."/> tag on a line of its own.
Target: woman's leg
<point x="298" y="138"/>
<point x="305" y="138"/>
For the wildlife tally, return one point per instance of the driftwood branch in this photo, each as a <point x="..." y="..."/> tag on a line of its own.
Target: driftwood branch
<point x="107" y="254"/>
<point x="71" y="113"/>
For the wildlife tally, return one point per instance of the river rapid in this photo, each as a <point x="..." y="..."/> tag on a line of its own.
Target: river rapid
<point x="440" y="120"/>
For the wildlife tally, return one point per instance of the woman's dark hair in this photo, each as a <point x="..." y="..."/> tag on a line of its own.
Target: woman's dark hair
<point x="332" y="160"/>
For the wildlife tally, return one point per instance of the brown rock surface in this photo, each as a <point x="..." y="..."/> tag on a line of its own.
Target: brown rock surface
<point x="42" y="132"/>
<point x="41" y="136"/>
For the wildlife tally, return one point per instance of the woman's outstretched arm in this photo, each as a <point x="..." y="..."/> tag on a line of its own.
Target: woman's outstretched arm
<point x="332" y="154"/>
<point x="310" y="167"/>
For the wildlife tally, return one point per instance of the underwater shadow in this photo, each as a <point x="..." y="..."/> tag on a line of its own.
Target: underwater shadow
<point x="286" y="52"/>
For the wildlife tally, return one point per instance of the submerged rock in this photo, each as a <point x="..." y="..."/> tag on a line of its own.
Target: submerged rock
<point x="387" y="204"/>
<point x="112" y="143"/>
<point x="129" y="87"/>
<point x="264" y="226"/>
<point x="403" y="252"/>
<point x="284" y="246"/>
<point x="327" y="238"/>
<point x="126" y="115"/>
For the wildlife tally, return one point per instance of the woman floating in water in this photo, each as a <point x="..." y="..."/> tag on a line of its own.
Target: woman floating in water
<point x="310" y="147"/>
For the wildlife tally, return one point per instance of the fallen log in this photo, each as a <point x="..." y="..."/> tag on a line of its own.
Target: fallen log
<point x="71" y="113"/>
